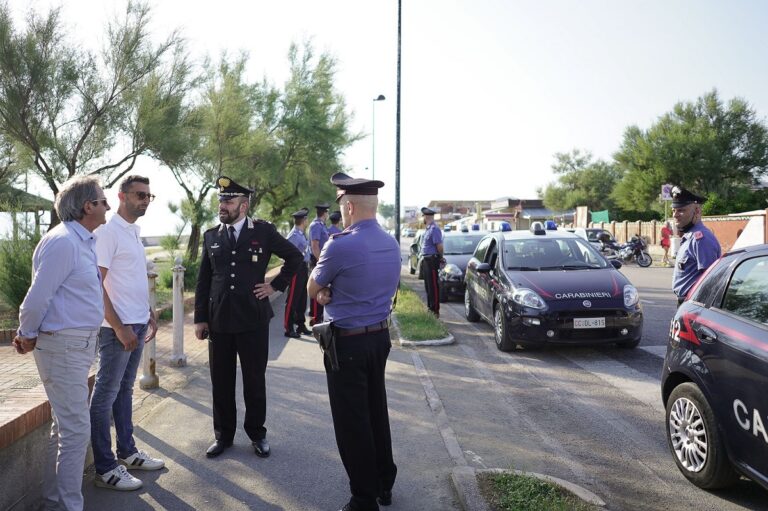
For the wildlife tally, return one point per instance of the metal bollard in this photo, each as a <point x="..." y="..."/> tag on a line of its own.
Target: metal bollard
<point x="178" y="358"/>
<point x="149" y="379"/>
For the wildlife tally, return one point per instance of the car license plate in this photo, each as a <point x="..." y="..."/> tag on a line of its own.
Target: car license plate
<point x="588" y="322"/>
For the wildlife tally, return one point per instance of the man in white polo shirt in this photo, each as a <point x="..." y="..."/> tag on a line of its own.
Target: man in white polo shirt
<point x="129" y="323"/>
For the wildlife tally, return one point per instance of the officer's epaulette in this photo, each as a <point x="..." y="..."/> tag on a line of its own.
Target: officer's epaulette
<point x="260" y="221"/>
<point x="339" y="234"/>
<point x="211" y="229"/>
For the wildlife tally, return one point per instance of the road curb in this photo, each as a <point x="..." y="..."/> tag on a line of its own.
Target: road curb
<point x="428" y="342"/>
<point x="464" y="481"/>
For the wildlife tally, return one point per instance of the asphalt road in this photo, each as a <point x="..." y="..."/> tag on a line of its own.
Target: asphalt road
<point x="592" y="416"/>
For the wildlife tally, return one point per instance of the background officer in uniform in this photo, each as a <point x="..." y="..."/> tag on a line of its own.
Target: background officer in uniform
<point x="335" y="218"/>
<point x="431" y="260"/>
<point x="232" y="309"/>
<point x="296" y="294"/>
<point x="318" y="236"/>
<point x="698" y="248"/>
<point x="356" y="278"/>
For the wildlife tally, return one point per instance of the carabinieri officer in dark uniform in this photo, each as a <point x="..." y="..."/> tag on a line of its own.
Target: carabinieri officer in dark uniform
<point x="296" y="294"/>
<point x="335" y="218"/>
<point x="431" y="259"/>
<point x="318" y="236"/>
<point x="356" y="278"/>
<point x="699" y="247"/>
<point x="232" y="310"/>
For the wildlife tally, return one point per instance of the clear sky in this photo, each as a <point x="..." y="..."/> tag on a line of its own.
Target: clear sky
<point x="491" y="89"/>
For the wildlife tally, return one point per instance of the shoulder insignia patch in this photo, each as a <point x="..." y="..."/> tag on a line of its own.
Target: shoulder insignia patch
<point x="698" y="235"/>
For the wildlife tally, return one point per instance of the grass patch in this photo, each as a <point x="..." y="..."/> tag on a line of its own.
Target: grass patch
<point x="415" y="321"/>
<point x="512" y="492"/>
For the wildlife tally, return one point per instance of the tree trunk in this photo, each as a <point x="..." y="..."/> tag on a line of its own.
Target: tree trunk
<point x="55" y="220"/>
<point x="194" y="242"/>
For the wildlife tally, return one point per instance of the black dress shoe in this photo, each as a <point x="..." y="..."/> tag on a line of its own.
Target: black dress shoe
<point x="217" y="448"/>
<point x="384" y="498"/>
<point x="304" y="330"/>
<point x="261" y="447"/>
<point x="293" y="334"/>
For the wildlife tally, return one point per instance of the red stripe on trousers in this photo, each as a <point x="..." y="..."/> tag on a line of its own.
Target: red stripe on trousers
<point x="435" y="296"/>
<point x="289" y="303"/>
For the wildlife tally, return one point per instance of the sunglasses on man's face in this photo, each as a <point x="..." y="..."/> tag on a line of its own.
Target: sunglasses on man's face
<point x="99" y="201"/>
<point x="143" y="195"/>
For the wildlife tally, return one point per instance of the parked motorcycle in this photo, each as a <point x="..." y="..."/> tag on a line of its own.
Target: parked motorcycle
<point x="634" y="250"/>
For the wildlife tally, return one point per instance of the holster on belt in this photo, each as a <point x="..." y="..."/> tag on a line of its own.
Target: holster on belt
<point x="326" y="339"/>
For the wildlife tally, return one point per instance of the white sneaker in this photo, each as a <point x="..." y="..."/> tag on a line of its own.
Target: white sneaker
<point x="118" y="479"/>
<point x="141" y="460"/>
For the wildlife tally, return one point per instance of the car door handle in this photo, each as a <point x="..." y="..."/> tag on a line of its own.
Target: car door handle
<point x="706" y="334"/>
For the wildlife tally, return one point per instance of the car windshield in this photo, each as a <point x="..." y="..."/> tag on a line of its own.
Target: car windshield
<point x="535" y="254"/>
<point x="461" y="244"/>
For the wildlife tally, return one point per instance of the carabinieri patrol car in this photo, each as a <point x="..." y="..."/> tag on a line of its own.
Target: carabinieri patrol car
<point x="543" y="287"/>
<point x="714" y="383"/>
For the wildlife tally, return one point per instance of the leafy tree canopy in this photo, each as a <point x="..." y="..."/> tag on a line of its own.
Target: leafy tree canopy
<point x="582" y="181"/>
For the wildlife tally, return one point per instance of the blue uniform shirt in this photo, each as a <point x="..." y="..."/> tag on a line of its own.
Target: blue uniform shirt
<point x="299" y="240"/>
<point x="318" y="231"/>
<point x="433" y="236"/>
<point x="333" y="230"/>
<point x="698" y="250"/>
<point x="362" y="268"/>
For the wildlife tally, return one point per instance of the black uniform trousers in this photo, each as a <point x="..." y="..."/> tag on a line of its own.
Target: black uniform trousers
<point x="316" y="310"/>
<point x="253" y="351"/>
<point x="430" y="265"/>
<point x="296" y="299"/>
<point x="358" y="399"/>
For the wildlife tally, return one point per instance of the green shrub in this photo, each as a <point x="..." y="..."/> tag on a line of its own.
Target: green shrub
<point x="190" y="274"/>
<point x="165" y="279"/>
<point x="16" y="268"/>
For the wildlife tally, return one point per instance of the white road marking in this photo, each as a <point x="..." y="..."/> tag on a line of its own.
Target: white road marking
<point x="648" y="301"/>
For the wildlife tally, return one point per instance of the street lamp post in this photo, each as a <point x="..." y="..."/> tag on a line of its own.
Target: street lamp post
<point x="373" y="134"/>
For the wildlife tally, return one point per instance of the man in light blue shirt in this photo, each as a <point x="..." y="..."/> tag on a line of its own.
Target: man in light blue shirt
<point x="60" y="319"/>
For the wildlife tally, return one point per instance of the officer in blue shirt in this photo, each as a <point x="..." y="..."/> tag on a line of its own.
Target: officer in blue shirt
<point x="335" y="218"/>
<point x="356" y="278"/>
<point x="318" y="236"/>
<point x="432" y="260"/>
<point x="296" y="293"/>
<point x="699" y="247"/>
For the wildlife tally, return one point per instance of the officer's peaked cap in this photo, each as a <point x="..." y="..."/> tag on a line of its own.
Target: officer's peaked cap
<point x="427" y="211"/>
<point x="323" y="206"/>
<point x="682" y="197"/>
<point x="302" y="213"/>
<point x="335" y="216"/>
<point x="228" y="188"/>
<point x="354" y="186"/>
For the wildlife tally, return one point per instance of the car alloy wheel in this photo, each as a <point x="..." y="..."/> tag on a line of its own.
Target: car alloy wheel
<point x="695" y="441"/>
<point x="500" y="330"/>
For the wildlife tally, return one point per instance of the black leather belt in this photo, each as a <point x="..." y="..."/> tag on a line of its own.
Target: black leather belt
<point x="376" y="327"/>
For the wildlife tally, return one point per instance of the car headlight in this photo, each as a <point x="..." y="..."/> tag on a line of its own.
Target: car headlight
<point x="528" y="298"/>
<point x="631" y="296"/>
<point x="452" y="269"/>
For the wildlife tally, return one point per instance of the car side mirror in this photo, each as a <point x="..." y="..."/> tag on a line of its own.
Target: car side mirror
<point x="616" y="263"/>
<point x="414" y="248"/>
<point x="483" y="268"/>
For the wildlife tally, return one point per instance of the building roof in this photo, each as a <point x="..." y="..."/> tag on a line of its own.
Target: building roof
<point x="12" y="199"/>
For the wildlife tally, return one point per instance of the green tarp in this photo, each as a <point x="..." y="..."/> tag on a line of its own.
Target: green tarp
<point x="600" y="216"/>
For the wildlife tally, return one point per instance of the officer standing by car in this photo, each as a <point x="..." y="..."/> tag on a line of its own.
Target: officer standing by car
<point x="232" y="311"/>
<point x="356" y="278"/>
<point x="431" y="259"/>
<point x="318" y="236"/>
<point x="335" y="218"/>
<point x="698" y="248"/>
<point x="296" y="294"/>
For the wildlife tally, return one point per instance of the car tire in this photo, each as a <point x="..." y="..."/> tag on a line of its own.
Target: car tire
<point x="629" y="344"/>
<point x="708" y="469"/>
<point x="644" y="260"/>
<point x="442" y="295"/>
<point x="503" y="342"/>
<point x="469" y="310"/>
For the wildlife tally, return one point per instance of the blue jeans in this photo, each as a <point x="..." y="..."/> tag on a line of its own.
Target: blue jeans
<point x="113" y="392"/>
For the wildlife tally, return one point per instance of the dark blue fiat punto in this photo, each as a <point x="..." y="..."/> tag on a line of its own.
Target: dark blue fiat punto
<point x="542" y="287"/>
<point x="714" y="383"/>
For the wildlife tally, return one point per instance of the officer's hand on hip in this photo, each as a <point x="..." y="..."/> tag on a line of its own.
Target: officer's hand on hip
<point x="323" y="296"/>
<point x="262" y="291"/>
<point x="201" y="330"/>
